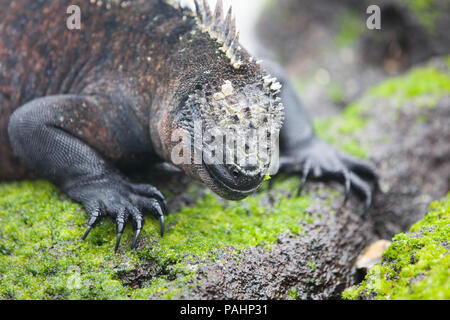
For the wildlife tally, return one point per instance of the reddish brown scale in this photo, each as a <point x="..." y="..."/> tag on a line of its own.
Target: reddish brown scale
<point x="146" y="47"/>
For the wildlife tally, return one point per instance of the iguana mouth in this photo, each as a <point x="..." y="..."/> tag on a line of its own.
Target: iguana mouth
<point x="215" y="179"/>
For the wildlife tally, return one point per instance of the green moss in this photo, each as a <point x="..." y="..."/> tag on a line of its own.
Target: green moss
<point x="335" y="92"/>
<point x="424" y="85"/>
<point x="416" y="265"/>
<point x="349" y="26"/>
<point x="42" y="256"/>
<point x="293" y="294"/>
<point x="341" y="130"/>
<point x="425" y="11"/>
<point x="312" y="265"/>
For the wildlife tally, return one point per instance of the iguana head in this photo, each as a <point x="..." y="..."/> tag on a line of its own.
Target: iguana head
<point x="225" y="127"/>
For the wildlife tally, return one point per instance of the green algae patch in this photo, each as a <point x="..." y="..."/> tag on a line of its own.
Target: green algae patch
<point x="42" y="256"/>
<point x="335" y="92"/>
<point x="421" y="87"/>
<point x="341" y="130"/>
<point x="293" y="294"/>
<point x="426" y="13"/>
<point x="350" y="27"/>
<point x="416" y="265"/>
<point x="312" y="265"/>
<point x="424" y="86"/>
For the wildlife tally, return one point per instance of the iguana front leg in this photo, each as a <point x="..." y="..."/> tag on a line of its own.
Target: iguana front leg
<point x="56" y="136"/>
<point x="301" y="151"/>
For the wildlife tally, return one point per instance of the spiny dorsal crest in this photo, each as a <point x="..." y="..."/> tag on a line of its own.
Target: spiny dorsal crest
<point x="221" y="28"/>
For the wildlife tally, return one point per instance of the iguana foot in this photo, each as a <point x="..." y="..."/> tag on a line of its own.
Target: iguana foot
<point x="122" y="201"/>
<point x="319" y="161"/>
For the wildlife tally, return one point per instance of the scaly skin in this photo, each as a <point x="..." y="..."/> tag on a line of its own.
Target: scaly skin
<point x="77" y="106"/>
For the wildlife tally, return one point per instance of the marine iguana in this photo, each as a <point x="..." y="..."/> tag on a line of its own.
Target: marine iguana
<point x="77" y="107"/>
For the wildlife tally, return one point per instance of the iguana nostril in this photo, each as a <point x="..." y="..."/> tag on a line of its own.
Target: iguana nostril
<point x="234" y="177"/>
<point x="235" y="172"/>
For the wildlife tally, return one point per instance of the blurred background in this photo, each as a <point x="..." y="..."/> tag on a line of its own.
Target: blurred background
<point x="327" y="50"/>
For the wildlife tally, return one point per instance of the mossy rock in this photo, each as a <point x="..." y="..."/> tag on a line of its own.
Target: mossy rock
<point x="42" y="256"/>
<point x="417" y="263"/>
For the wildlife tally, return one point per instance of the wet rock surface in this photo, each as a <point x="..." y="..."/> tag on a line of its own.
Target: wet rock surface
<point x="414" y="168"/>
<point x="412" y="158"/>
<point x="315" y="266"/>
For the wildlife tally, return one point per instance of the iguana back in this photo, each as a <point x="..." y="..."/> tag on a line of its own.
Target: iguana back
<point x="40" y="56"/>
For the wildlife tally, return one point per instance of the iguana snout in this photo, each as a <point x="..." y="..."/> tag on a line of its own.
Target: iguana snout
<point x="234" y="182"/>
<point x="229" y="130"/>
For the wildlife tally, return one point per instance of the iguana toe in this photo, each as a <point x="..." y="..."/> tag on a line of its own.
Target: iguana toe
<point x="320" y="161"/>
<point x="123" y="201"/>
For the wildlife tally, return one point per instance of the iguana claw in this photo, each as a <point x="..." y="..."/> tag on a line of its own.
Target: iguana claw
<point x="123" y="202"/>
<point x="95" y="218"/>
<point x="162" y="225"/>
<point x="320" y="161"/>
<point x="120" y="226"/>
